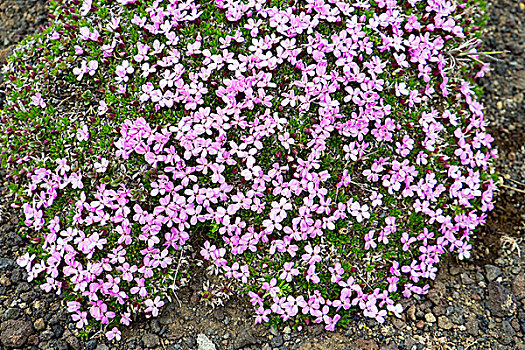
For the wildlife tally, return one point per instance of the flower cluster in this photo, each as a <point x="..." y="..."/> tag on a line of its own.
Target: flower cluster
<point x="324" y="154"/>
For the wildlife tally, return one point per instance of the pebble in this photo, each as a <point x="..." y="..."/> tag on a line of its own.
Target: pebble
<point x="472" y="326"/>
<point x="244" y="339"/>
<point x="444" y="322"/>
<point x="501" y="301"/>
<point x="411" y="313"/>
<point x="508" y="334"/>
<point x="14" y="333"/>
<point x="91" y="344"/>
<point x="204" y="343"/>
<point x="150" y="340"/>
<point x="429" y="317"/>
<point x="39" y="324"/>
<point x="492" y="272"/>
<point x="276" y="341"/>
<point x="518" y="286"/>
<point x="58" y="330"/>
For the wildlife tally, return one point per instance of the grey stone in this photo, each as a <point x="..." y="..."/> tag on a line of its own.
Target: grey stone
<point x="91" y="344"/>
<point x="465" y="278"/>
<point x="11" y="314"/>
<point x="244" y="339"/>
<point x="58" y="330"/>
<point x="509" y="334"/>
<point x="5" y="263"/>
<point x="276" y="341"/>
<point x="17" y="275"/>
<point x="62" y="345"/>
<point x="204" y="343"/>
<point x="102" y="347"/>
<point x="219" y="314"/>
<point x="501" y="302"/>
<point x="518" y="287"/>
<point x="390" y="346"/>
<point x="155" y="326"/>
<point x="457" y="316"/>
<point x="71" y="340"/>
<point x="150" y="340"/>
<point x="46" y="335"/>
<point x="472" y="326"/>
<point x="165" y="320"/>
<point x="492" y="272"/>
<point x="190" y="342"/>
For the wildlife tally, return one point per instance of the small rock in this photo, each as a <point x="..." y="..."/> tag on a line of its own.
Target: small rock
<point x="204" y="343"/>
<point x="454" y="270"/>
<point x="190" y="342"/>
<point x="466" y="279"/>
<point x="390" y="346"/>
<point x="315" y="329"/>
<point x="501" y="302"/>
<point x="150" y="340"/>
<point x="91" y="344"/>
<point x="457" y="317"/>
<point x="165" y="320"/>
<point x="61" y="345"/>
<point x="287" y="330"/>
<point x="411" y="312"/>
<point x="39" y="324"/>
<point x="14" y="333"/>
<point x="155" y="326"/>
<point x="429" y="317"/>
<point x="277" y="341"/>
<point x="472" y="326"/>
<point x="46" y="335"/>
<point x="33" y="340"/>
<point x="420" y="324"/>
<point x="364" y="344"/>
<point x="12" y="313"/>
<point x="102" y="347"/>
<point x="398" y="323"/>
<point x="437" y="292"/>
<point x="5" y="263"/>
<point x="4" y="281"/>
<point x="438" y="310"/>
<point x="518" y="286"/>
<point x="58" y="330"/>
<point x="509" y="333"/>
<point x="219" y="314"/>
<point x="444" y="322"/>
<point x="492" y="272"/>
<point x="244" y="339"/>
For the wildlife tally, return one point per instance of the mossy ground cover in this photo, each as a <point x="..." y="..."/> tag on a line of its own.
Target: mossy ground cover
<point x="322" y="156"/>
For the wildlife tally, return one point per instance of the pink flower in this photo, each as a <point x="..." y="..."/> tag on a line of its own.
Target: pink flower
<point x="38" y="101"/>
<point x="114" y="333"/>
<point x="153" y="306"/>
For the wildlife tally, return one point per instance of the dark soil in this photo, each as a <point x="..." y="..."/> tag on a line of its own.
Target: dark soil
<point x="475" y="304"/>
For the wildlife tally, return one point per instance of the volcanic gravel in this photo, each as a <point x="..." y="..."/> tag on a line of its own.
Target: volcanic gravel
<point x="474" y="304"/>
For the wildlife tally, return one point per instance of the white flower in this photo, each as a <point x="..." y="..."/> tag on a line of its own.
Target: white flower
<point x="102" y="166"/>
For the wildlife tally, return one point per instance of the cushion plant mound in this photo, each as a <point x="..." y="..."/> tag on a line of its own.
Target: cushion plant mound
<point x="320" y="155"/>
